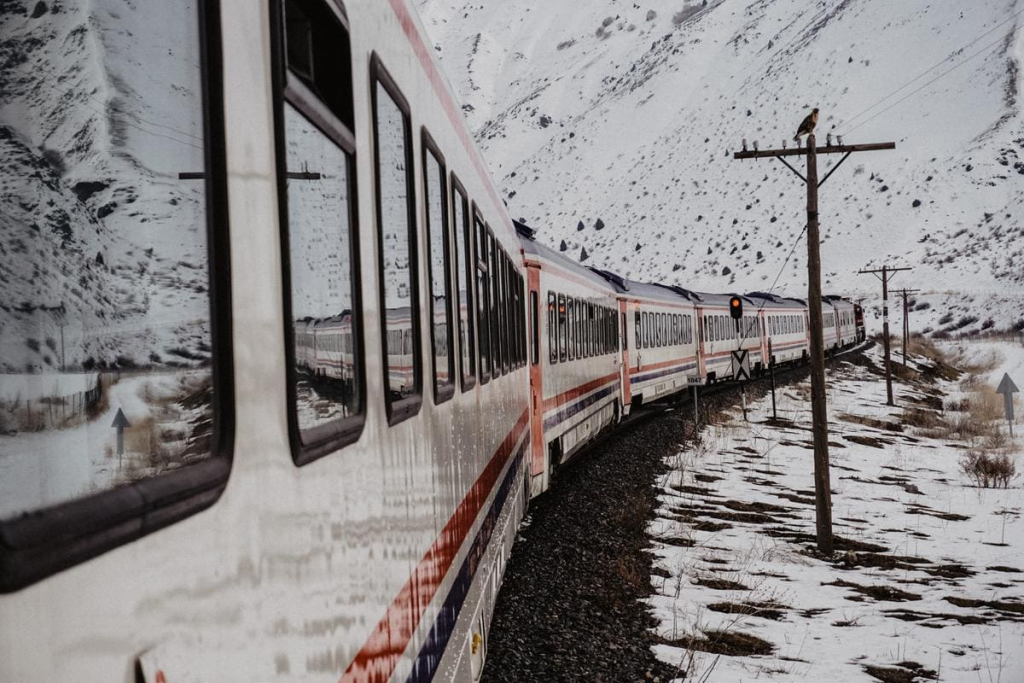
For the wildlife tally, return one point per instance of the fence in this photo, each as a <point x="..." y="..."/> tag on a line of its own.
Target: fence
<point x="49" y="412"/>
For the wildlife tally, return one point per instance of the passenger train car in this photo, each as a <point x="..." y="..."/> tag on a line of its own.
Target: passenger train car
<point x="313" y="438"/>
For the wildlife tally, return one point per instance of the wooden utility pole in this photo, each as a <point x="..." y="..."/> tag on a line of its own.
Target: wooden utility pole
<point x="819" y="413"/>
<point x="906" y="320"/>
<point x="885" y="273"/>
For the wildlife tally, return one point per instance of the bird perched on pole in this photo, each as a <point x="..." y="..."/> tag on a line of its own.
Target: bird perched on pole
<point x="807" y="126"/>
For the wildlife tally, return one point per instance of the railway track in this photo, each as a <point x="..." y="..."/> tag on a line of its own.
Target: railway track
<point x="571" y="603"/>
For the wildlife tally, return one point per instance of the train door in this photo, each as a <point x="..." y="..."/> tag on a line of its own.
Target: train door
<point x="624" y="367"/>
<point x="698" y="330"/>
<point x="538" y="468"/>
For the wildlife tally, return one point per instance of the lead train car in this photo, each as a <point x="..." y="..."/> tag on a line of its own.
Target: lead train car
<point x="341" y="510"/>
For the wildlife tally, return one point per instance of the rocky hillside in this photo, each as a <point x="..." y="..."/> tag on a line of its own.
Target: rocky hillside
<point x="610" y="127"/>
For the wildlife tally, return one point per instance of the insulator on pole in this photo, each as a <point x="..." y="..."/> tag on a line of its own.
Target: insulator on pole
<point x="828" y="139"/>
<point x="840" y="139"/>
<point x="744" y="144"/>
<point x="783" y="144"/>
<point x="755" y="145"/>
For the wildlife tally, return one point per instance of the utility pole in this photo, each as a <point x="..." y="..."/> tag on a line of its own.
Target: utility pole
<point x="819" y="413"/>
<point x="885" y="273"/>
<point x="906" y="320"/>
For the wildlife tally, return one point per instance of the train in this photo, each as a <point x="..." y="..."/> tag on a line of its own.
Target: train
<point x="395" y="367"/>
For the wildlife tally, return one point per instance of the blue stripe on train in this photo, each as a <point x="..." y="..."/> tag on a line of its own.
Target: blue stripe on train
<point x="661" y="373"/>
<point x="573" y="408"/>
<point x="429" y="658"/>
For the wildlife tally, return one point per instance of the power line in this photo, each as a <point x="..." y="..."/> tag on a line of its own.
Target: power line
<point x="941" y="75"/>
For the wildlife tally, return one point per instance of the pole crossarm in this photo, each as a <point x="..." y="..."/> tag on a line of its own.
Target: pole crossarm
<point x="798" y="173"/>
<point x="834" y="168"/>
<point x="802" y="151"/>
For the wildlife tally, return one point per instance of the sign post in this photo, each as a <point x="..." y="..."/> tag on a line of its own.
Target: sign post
<point x="1007" y="388"/>
<point x="695" y="382"/>
<point x="120" y="422"/>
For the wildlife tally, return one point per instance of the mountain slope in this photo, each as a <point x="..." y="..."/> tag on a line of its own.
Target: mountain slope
<point x="628" y="114"/>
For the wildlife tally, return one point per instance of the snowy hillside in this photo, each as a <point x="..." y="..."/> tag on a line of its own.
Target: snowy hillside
<point x="99" y="111"/>
<point x="611" y="125"/>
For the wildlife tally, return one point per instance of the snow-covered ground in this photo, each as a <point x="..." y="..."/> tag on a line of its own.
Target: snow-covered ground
<point x="928" y="580"/>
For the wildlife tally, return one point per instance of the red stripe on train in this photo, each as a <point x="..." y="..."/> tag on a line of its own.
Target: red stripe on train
<point x="379" y="656"/>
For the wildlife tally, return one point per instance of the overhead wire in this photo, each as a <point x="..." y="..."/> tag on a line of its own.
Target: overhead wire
<point x="953" y="55"/>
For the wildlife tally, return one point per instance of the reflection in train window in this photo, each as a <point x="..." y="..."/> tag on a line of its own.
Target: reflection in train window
<point x="439" y="262"/>
<point x="571" y="317"/>
<point x="105" y="313"/>
<point x="396" y="233"/>
<point x="464" y="268"/>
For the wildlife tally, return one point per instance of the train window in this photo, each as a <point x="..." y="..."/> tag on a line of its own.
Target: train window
<point x="570" y="314"/>
<point x="502" y="280"/>
<point x="483" y="343"/>
<point x="563" y="329"/>
<point x="439" y="263"/>
<point x="463" y="264"/>
<point x="82" y="300"/>
<point x="552" y="329"/>
<point x="636" y="330"/>
<point x="534" y="328"/>
<point x="396" y="233"/>
<point x="577" y="324"/>
<point x="623" y="331"/>
<point x="317" y="193"/>
<point x="493" y="305"/>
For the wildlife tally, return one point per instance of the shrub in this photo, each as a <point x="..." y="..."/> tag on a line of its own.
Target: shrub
<point x="988" y="470"/>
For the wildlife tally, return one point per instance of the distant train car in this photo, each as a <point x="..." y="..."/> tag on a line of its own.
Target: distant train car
<point x="576" y="353"/>
<point x="784" y="322"/>
<point x="844" y="321"/>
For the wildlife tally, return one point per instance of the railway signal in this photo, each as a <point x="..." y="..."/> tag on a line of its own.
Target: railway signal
<point x="823" y="495"/>
<point x="736" y="307"/>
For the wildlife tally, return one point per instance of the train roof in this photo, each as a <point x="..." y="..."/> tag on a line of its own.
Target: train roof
<point x="769" y="300"/>
<point x="532" y="247"/>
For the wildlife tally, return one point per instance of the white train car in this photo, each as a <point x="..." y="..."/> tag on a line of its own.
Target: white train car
<point x="575" y="355"/>
<point x="660" y="352"/>
<point x="303" y="157"/>
<point x="784" y="322"/>
<point x="845" y="320"/>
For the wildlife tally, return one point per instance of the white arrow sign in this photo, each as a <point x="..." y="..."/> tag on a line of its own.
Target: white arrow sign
<point x="1007" y="388"/>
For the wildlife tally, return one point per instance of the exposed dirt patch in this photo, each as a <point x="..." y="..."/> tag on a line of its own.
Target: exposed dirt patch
<point x="729" y="643"/>
<point x="915" y="509"/>
<point x="1004" y="606"/>
<point x="867" y="440"/>
<point x="880" y="593"/>
<point x="707" y="478"/>
<point x="911" y="616"/>
<point x="765" y="610"/>
<point x="1001" y="568"/>
<point x="904" y="672"/>
<point x="871" y="422"/>
<point x="717" y="584"/>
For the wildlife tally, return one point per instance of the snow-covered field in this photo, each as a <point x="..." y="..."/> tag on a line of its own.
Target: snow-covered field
<point x="928" y="580"/>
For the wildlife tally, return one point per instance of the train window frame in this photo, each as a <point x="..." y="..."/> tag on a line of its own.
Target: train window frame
<point x="482" y="312"/>
<point x="552" y="328"/>
<point x="534" y="327"/>
<point x="458" y="192"/>
<point x="36" y="546"/>
<point x="563" y="332"/>
<point x="442" y="391"/>
<point x="638" y="341"/>
<point x="493" y="304"/>
<point x="570" y="317"/>
<point x="402" y="409"/>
